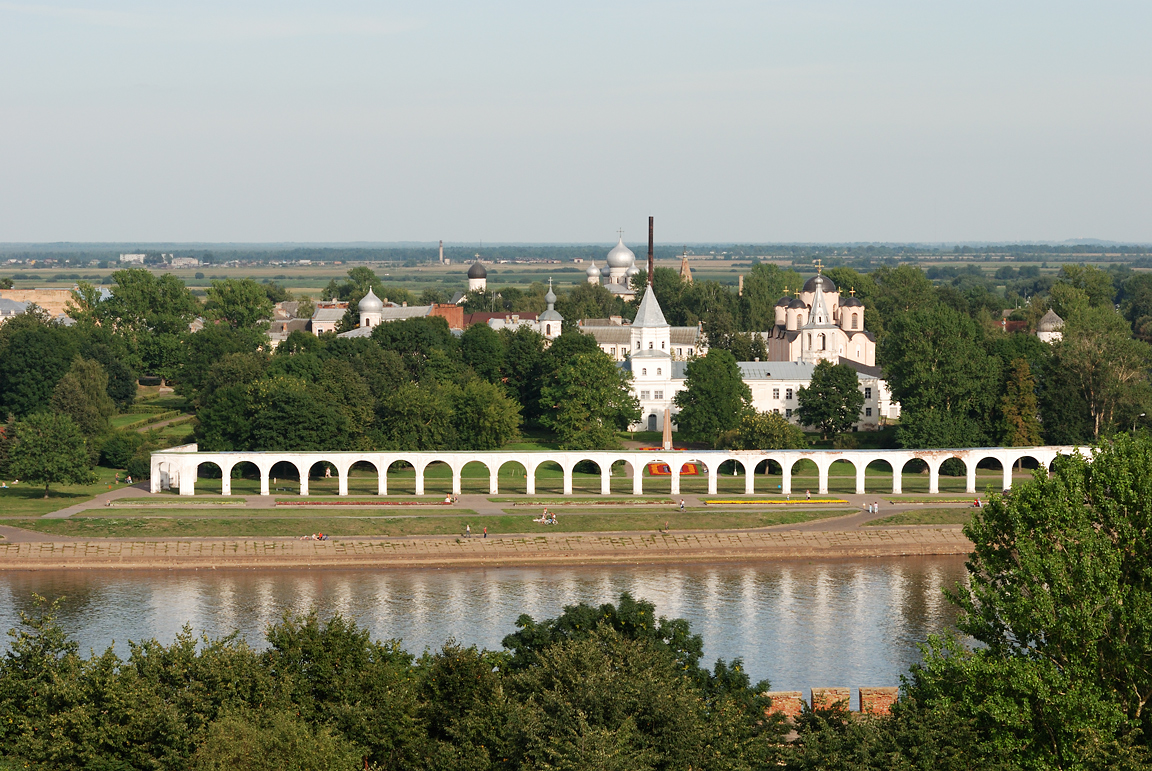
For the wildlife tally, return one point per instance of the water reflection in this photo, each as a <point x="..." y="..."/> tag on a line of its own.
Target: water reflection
<point x="799" y="624"/>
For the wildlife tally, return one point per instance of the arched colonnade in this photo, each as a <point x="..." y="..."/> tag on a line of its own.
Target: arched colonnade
<point x="177" y="467"/>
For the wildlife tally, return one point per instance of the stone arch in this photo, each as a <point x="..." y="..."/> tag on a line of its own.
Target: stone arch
<point x="695" y="484"/>
<point x="771" y="473"/>
<point x="323" y="478"/>
<point x="244" y="478"/>
<point x="400" y="476"/>
<point x="878" y="475"/>
<point x="284" y="477"/>
<point x="437" y="477"/>
<point x="513" y="477"/>
<point x="655" y="484"/>
<point x="475" y="478"/>
<point x="212" y="472"/>
<point x="914" y="475"/>
<point x="622" y="475"/>
<point x="805" y="475"/>
<point x="549" y="477"/>
<point x="586" y="475"/>
<point x="363" y="477"/>
<point x="955" y="474"/>
<point x="842" y="474"/>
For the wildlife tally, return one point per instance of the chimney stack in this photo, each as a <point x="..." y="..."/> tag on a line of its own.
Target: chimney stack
<point x="651" y="261"/>
<point x="441" y="252"/>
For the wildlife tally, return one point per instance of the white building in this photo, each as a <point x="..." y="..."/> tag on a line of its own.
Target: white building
<point x="658" y="376"/>
<point x="818" y="325"/>
<point x="133" y="259"/>
<point x="1051" y="327"/>
<point x="185" y="262"/>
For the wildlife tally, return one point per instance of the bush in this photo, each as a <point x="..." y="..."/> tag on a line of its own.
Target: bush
<point x="149" y="380"/>
<point x="140" y="464"/>
<point x="120" y="448"/>
<point x="846" y="442"/>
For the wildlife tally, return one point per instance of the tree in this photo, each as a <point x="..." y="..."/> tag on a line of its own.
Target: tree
<point x="240" y="303"/>
<point x="587" y="401"/>
<point x="833" y="399"/>
<point x="143" y="306"/>
<point x="49" y="448"/>
<point x="34" y="354"/>
<point x="5" y="283"/>
<point x="1018" y="406"/>
<point x="210" y="345"/>
<point x="1059" y="600"/>
<point x="486" y="418"/>
<point x="522" y="369"/>
<point x="288" y="415"/>
<point x="82" y="394"/>
<point x="1108" y="368"/>
<point x="415" y="418"/>
<point x="763" y="286"/>
<point x="482" y="349"/>
<point x="714" y="399"/>
<point x="765" y="431"/>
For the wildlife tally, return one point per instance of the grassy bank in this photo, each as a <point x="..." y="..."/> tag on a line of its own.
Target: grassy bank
<point x="926" y="517"/>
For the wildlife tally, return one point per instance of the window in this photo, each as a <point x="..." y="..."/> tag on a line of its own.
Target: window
<point x="657" y="370"/>
<point x="613" y="351"/>
<point x="776" y="394"/>
<point x="867" y="412"/>
<point x="637" y="345"/>
<point x="820" y="338"/>
<point x="679" y="351"/>
<point x="788" y="395"/>
<point x="644" y="394"/>
<point x="855" y="321"/>
<point x="659" y="394"/>
<point x="661" y="345"/>
<point x="644" y="371"/>
<point x="867" y="393"/>
<point x="649" y="345"/>
<point x="548" y="330"/>
<point x="787" y="413"/>
<point x="776" y="411"/>
<point x="809" y="341"/>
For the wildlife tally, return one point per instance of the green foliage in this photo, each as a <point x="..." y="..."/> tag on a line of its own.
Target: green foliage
<point x="482" y="349"/>
<point x="587" y="400"/>
<point x="49" y="448"/>
<point x="82" y="394"/>
<point x="763" y="286"/>
<point x="1018" y="407"/>
<point x="152" y="313"/>
<point x="240" y="303"/>
<point x="832" y="401"/>
<point x="714" y="399"/>
<point x="34" y="354"/>
<point x="271" y="741"/>
<point x="765" y="431"/>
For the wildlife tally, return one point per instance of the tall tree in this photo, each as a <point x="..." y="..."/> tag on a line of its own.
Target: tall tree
<point x="35" y="353"/>
<point x="482" y="349"/>
<point x="831" y="403"/>
<point x="240" y="303"/>
<point x="82" y="394"/>
<point x="1018" y="407"/>
<point x="765" y="431"/>
<point x="714" y="399"/>
<point x="49" y="448"/>
<point x="587" y="401"/>
<point x="1108" y="367"/>
<point x="763" y="286"/>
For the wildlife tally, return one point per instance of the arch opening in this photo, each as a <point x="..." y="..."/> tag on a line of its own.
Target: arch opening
<point x="363" y="478"/>
<point x="209" y="478"/>
<point x="401" y="478"/>
<point x="805" y="477"/>
<point x="622" y="474"/>
<point x="284" y="477"/>
<point x="323" y="479"/>
<point x="878" y="477"/>
<point x="512" y="478"/>
<point x="245" y="478"/>
<point x="586" y="477"/>
<point x="437" y="479"/>
<point x="474" y="478"/>
<point x="693" y="476"/>
<point x="842" y="477"/>
<point x="989" y="475"/>
<point x="549" y="478"/>
<point x="773" y="477"/>
<point x="953" y="476"/>
<point x="657" y="477"/>
<point x="914" y="476"/>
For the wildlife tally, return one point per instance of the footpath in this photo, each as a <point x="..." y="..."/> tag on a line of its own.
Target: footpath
<point x="565" y="549"/>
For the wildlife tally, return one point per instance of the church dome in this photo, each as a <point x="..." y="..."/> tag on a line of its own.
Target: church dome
<point x="371" y="303"/>
<point x="783" y="302"/>
<point x="797" y="303"/>
<point x="477" y="271"/>
<point x="592" y="271"/>
<point x="824" y="282"/>
<point x="851" y="302"/>
<point x="621" y="256"/>
<point x="550" y="298"/>
<point x="632" y="271"/>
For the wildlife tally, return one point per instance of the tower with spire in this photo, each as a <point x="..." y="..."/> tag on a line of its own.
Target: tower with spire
<point x="550" y="321"/>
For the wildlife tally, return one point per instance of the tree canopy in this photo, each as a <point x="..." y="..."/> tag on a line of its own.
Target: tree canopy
<point x="714" y="399"/>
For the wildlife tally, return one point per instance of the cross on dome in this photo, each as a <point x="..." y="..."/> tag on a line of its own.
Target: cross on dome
<point x="819" y="265"/>
<point x="852" y="291"/>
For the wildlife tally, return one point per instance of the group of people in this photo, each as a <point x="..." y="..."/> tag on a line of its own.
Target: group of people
<point x="547" y="518"/>
<point x="314" y="537"/>
<point x="874" y="508"/>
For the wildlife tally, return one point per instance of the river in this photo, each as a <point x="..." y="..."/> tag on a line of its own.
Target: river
<point x="799" y="624"/>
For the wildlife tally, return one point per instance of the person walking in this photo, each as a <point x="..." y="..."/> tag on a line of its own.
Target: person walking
<point x="681" y="504"/>
<point x="467" y="531"/>
<point x="808" y="495"/>
<point x="485" y="531"/>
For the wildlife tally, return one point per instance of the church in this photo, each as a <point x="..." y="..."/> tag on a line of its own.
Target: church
<point x="818" y="325"/>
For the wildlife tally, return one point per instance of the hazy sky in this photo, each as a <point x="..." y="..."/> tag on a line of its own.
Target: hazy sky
<point x="547" y="121"/>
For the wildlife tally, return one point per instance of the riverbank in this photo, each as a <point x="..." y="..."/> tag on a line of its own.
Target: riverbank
<point x="528" y="549"/>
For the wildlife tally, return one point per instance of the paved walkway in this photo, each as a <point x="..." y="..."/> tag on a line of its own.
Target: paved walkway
<point x="571" y="548"/>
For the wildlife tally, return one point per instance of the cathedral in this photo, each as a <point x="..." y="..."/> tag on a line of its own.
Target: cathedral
<point x="818" y="324"/>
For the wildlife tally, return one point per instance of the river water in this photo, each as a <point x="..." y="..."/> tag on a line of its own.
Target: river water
<point x="799" y="624"/>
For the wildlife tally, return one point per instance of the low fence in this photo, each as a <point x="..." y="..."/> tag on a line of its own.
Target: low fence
<point x="875" y="701"/>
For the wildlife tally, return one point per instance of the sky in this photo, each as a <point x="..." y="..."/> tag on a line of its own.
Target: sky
<point x="730" y="122"/>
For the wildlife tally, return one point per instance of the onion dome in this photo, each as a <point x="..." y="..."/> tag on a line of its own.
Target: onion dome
<point x="783" y="302"/>
<point x="550" y="298"/>
<point x="370" y="303"/>
<point x="851" y="302"/>
<point x="797" y="303"/>
<point x="823" y="282"/>
<point x="621" y="256"/>
<point x="632" y="271"/>
<point x="477" y="271"/>
<point x="1050" y="322"/>
<point x="592" y="271"/>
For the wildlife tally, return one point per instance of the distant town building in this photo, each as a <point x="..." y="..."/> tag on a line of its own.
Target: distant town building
<point x="133" y="259"/>
<point x="1051" y="327"/>
<point x="184" y="262"/>
<point x="10" y="308"/>
<point x="326" y="316"/>
<point x="54" y="301"/>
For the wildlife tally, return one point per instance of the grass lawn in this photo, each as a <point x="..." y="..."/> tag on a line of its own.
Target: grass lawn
<point x="926" y="517"/>
<point x="28" y="499"/>
<point x="159" y="527"/>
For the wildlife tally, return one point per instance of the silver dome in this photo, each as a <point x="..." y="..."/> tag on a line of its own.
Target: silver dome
<point x="621" y="256"/>
<point x="592" y="270"/>
<point x="371" y="303"/>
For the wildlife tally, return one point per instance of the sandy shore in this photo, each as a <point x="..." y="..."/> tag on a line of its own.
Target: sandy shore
<point x="441" y="551"/>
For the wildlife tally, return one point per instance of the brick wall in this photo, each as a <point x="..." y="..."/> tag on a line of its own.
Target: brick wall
<point x="876" y="701"/>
